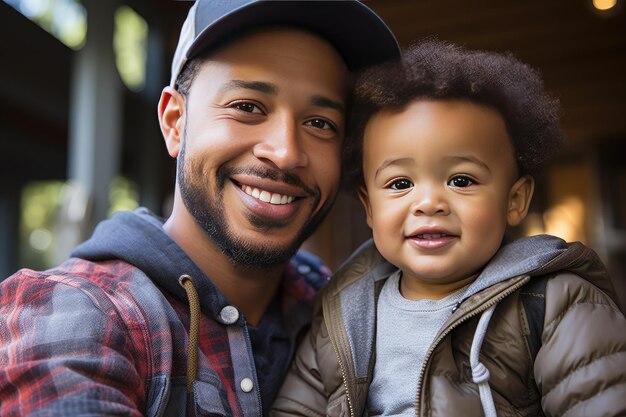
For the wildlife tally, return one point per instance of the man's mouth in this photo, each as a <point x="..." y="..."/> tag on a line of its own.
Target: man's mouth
<point x="266" y="196"/>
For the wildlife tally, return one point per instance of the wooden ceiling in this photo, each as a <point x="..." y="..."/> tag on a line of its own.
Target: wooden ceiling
<point x="580" y="52"/>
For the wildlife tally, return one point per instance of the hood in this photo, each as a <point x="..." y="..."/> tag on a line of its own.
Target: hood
<point x="540" y="255"/>
<point x="138" y="238"/>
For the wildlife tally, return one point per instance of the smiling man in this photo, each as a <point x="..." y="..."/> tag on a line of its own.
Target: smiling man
<point x="258" y="138"/>
<point x="199" y="314"/>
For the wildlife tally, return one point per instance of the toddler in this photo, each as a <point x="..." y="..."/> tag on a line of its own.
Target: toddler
<point x="440" y="316"/>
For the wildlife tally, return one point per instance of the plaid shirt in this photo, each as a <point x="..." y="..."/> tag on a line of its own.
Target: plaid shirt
<point x="100" y="338"/>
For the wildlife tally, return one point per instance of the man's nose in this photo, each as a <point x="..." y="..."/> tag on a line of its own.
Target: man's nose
<point x="281" y="144"/>
<point x="429" y="200"/>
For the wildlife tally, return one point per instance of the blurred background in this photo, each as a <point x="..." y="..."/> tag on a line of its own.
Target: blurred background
<point x="80" y="80"/>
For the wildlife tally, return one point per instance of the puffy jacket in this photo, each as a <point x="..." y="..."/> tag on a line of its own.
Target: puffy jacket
<point x="579" y="370"/>
<point x="111" y="332"/>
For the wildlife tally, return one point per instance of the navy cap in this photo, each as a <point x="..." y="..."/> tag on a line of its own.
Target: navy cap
<point x="359" y="35"/>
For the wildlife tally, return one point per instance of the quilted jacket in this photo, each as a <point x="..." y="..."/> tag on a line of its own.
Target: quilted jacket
<point x="579" y="370"/>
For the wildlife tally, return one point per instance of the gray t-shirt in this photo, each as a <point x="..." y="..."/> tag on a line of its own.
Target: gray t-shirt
<point x="405" y="330"/>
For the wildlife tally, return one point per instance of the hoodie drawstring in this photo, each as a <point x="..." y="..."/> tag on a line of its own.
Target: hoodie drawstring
<point x="480" y="373"/>
<point x="194" y="327"/>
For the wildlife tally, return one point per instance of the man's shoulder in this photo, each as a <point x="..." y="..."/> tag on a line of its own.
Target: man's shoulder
<point x="93" y="322"/>
<point x="311" y="268"/>
<point x="79" y="273"/>
<point x="112" y="286"/>
<point x="305" y="276"/>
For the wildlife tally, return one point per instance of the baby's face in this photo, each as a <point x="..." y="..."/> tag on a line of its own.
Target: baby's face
<point x="441" y="187"/>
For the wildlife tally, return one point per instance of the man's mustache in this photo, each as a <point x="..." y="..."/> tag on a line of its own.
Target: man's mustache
<point x="272" y="174"/>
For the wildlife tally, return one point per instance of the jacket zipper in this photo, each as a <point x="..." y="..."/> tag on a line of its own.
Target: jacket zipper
<point x="335" y="336"/>
<point x="344" y="378"/>
<point x="463" y="319"/>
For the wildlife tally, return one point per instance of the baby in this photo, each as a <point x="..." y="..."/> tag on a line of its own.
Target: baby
<point x="443" y="317"/>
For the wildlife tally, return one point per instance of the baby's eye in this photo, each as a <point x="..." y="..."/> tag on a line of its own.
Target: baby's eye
<point x="461" y="182"/>
<point x="400" y="184"/>
<point x="320" y="124"/>
<point x="247" y="107"/>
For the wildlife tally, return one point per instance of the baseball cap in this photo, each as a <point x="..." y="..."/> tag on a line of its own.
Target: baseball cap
<point x="359" y="35"/>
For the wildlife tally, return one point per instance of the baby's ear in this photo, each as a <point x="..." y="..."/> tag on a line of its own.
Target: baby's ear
<point x="519" y="199"/>
<point x="364" y="197"/>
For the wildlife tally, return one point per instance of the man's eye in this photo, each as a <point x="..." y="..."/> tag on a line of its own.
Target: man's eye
<point x="461" y="182"/>
<point x="246" y="106"/>
<point x="401" y="184"/>
<point x="320" y="124"/>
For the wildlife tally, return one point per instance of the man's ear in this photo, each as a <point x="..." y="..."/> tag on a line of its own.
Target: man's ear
<point x="172" y="119"/>
<point x="520" y="195"/>
<point x="363" y="196"/>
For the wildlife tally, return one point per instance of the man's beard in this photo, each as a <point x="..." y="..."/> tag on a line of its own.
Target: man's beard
<point x="209" y="212"/>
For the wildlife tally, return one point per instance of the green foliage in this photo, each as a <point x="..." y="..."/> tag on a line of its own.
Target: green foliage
<point x="123" y="195"/>
<point x="40" y="203"/>
<point x="39" y="222"/>
<point x="129" y="43"/>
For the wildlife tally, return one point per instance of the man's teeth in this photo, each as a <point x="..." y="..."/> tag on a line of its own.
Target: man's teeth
<point x="431" y="235"/>
<point x="266" y="196"/>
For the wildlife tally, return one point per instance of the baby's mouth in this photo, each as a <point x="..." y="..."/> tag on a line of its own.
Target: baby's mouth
<point x="267" y="196"/>
<point x="428" y="236"/>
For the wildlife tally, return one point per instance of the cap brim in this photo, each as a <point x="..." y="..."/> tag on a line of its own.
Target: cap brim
<point x="358" y="34"/>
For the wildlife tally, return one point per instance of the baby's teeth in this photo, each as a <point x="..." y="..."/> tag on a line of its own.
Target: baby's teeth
<point x="432" y="235"/>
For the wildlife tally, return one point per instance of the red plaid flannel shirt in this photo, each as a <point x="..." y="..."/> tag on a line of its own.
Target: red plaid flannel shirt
<point x="101" y="339"/>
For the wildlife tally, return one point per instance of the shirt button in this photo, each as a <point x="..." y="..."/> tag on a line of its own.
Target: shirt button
<point x="246" y="385"/>
<point x="229" y="315"/>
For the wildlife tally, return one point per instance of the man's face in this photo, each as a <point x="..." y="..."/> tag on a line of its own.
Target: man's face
<point x="263" y="129"/>
<point x="440" y="182"/>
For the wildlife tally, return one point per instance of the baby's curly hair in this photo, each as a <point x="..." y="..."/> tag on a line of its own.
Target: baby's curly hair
<point x="433" y="69"/>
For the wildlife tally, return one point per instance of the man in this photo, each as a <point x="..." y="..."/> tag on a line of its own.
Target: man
<point x="200" y="314"/>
